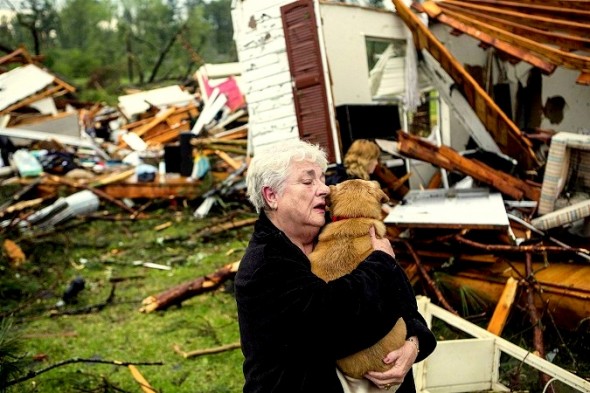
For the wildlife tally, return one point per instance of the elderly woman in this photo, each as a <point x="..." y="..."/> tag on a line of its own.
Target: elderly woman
<point x="293" y="325"/>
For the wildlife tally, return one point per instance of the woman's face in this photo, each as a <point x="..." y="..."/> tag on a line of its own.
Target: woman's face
<point x="303" y="201"/>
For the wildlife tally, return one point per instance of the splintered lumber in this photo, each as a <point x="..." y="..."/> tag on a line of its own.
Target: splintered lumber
<point x="182" y="292"/>
<point x="206" y="351"/>
<point x="563" y="288"/>
<point x="145" y="385"/>
<point x="392" y="182"/>
<point x="498" y="320"/>
<point x="506" y="134"/>
<point x="449" y="159"/>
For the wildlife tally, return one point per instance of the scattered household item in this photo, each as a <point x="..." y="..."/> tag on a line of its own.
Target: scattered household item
<point x="78" y="204"/>
<point x="145" y="173"/>
<point x="567" y="173"/>
<point x="26" y="163"/>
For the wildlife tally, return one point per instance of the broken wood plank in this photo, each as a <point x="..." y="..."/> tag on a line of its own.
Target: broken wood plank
<point x="176" y="295"/>
<point x="139" y="378"/>
<point x="160" y="117"/>
<point x="206" y="351"/>
<point x="447" y="158"/>
<point x="166" y="187"/>
<point x="498" y="320"/>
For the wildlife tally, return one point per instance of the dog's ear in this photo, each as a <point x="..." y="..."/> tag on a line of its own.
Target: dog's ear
<point x="383" y="198"/>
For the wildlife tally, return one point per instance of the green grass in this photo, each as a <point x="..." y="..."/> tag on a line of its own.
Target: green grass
<point x="99" y="251"/>
<point x="102" y="252"/>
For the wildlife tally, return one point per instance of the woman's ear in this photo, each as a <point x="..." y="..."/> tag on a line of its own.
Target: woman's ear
<point x="270" y="197"/>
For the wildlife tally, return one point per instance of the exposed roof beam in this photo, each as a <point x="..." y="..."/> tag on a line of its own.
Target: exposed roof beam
<point x="507" y="135"/>
<point x="549" y="23"/>
<point x="555" y="56"/>
<point x="434" y="12"/>
<point x="563" y="41"/>
<point x="547" y="10"/>
<point x="570" y="4"/>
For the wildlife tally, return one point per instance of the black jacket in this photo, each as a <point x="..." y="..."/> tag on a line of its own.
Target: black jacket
<point x="294" y="326"/>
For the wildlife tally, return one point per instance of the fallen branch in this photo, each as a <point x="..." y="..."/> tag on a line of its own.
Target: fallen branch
<point x="145" y="385"/>
<point x="206" y="351"/>
<point x="182" y="292"/>
<point x="33" y="374"/>
<point x="427" y="278"/>
<point x="521" y="248"/>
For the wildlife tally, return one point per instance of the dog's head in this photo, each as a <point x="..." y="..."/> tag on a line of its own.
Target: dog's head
<point x="356" y="198"/>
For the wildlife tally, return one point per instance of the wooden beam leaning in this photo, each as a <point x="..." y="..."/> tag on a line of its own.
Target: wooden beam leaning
<point x="447" y="158"/>
<point x="507" y="135"/>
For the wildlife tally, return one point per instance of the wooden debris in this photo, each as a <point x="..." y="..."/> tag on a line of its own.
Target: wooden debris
<point x="207" y="351"/>
<point x="33" y="374"/>
<point x="506" y="134"/>
<point x="451" y="160"/>
<point x="145" y="385"/>
<point x="182" y="292"/>
<point x="99" y="193"/>
<point x="498" y="320"/>
<point x="15" y="254"/>
<point x="164" y="127"/>
<point x="163" y="226"/>
<point x="427" y="278"/>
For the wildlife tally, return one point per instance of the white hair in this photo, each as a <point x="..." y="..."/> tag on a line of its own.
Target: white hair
<point x="270" y="167"/>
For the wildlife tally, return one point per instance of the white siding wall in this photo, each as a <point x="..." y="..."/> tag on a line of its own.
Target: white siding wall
<point x="260" y="43"/>
<point x="345" y="29"/>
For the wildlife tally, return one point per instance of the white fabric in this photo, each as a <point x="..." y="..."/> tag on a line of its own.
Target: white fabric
<point x="353" y="385"/>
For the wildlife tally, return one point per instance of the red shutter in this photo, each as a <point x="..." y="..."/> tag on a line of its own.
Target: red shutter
<point x="309" y="85"/>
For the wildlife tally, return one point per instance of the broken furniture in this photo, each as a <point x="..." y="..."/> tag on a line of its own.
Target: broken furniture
<point x="564" y="199"/>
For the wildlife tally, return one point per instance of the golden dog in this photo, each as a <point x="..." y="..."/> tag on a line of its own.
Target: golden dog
<point x="343" y="244"/>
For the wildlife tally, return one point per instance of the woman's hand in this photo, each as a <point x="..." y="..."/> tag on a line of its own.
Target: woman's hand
<point x="401" y="361"/>
<point x="382" y="244"/>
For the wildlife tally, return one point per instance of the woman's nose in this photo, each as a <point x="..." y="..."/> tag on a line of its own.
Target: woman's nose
<point x="324" y="189"/>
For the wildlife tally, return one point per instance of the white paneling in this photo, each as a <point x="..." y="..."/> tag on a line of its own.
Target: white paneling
<point x="22" y="82"/>
<point x="345" y="30"/>
<point x="260" y="43"/>
<point x="272" y="92"/>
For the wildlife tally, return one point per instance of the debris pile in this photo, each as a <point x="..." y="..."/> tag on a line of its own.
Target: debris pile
<point x="165" y="143"/>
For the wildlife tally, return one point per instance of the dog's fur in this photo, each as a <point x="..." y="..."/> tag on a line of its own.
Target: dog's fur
<point x="355" y="206"/>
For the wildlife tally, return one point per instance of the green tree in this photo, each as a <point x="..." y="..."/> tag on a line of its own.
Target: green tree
<point x="87" y="37"/>
<point x="34" y="26"/>
<point x="218" y="14"/>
